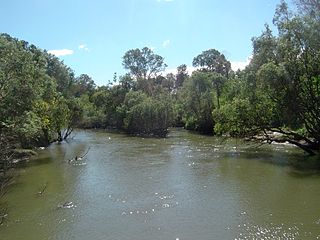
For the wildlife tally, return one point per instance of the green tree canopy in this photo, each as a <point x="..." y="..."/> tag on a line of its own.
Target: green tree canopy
<point x="212" y="61"/>
<point x="143" y="63"/>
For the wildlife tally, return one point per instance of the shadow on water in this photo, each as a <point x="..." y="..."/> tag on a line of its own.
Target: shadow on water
<point x="33" y="162"/>
<point x="307" y="167"/>
<point x="299" y="163"/>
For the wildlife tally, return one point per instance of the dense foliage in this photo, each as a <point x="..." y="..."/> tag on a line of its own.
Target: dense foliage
<point x="38" y="98"/>
<point x="280" y="89"/>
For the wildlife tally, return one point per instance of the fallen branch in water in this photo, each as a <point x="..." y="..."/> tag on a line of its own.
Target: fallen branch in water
<point x="85" y="153"/>
<point x="76" y="158"/>
<point x="42" y="190"/>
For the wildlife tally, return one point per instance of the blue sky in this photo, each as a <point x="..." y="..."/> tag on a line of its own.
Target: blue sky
<point x="95" y="34"/>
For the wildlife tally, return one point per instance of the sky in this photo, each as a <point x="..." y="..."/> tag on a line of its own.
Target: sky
<point x="91" y="36"/>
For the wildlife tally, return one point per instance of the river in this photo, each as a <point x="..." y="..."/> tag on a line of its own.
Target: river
<point x="184" y="187"/>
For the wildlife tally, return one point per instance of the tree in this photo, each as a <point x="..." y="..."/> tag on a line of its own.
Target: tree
<point x="181" y="75"/>
<point x="22" y="77"/>
<point x="218" y="82"/>
<point x="196" y="100"/>
<point x="143" y="64"/>
<point x="147" y="115"/>
<point x="36" y="99"/>
<point x="279" y="90"/>
<point x="62" y="74"/>
<point x="264" y="49"/>
<point x="299" y="50"/>
<point x="83" y="84"/>
<point x="127" y="82"/>
<point x="309" y="7"/>
<point x="212" y="61"/>
<point x="166" y="83"/>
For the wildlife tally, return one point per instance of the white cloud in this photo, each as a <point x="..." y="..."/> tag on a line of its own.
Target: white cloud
<point x="169" y="70"/>
<point x="61" y="52"/>
<point x="191" y="69"/>
<point x="165" y="43"/>
<point x="84" y="47"/>
<point x="235" y="65"/>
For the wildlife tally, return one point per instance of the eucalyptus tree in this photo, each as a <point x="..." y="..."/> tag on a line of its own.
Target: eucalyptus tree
<point x="212" y="61"/>
<point x="143" y="63"/>
<point x="144" y="66"/>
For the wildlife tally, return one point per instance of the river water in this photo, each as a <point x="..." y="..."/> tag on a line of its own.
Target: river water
<point x="186" y="186"/>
